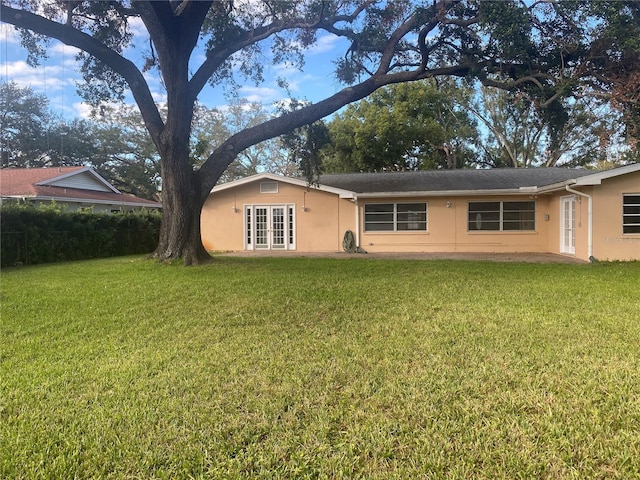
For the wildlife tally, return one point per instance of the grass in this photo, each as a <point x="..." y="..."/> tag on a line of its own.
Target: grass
<point x="320" y="368"/>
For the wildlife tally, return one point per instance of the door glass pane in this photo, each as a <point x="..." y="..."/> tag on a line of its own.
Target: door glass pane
<point x="261" y="227"/>
<point x="568" y="225"/>
<point x="277" y="227"/>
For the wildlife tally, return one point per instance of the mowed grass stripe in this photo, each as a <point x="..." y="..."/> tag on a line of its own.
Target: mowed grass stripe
<point x="320" y="368"/>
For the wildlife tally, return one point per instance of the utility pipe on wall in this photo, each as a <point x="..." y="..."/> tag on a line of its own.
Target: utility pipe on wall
<point x="357" y="222"/>
<point x="589" y="220"/>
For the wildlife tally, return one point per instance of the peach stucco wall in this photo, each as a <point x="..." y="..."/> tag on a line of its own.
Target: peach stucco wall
<point x="321" y="225"/>
<point x="609" y="243"/>
<point x="447" y="230"/>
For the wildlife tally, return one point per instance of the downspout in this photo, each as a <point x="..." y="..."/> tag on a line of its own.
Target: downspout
<point x="589" y="220"/>
<point x="357" y="222"/>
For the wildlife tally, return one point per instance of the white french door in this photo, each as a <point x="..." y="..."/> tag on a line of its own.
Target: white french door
<point x="568" y="225"/>
<point x="269" y="227"/>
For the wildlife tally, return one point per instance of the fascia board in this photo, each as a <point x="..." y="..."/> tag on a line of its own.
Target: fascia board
<point x="90" y="170"/>
<point x="279" y="178"/>
<point x="593" y="179"/>
<point x="99" y="177"/>
<point x="556" y="186"/>
<point x="245" y="180"/>
<point x="596" y="178"/>
<point x="87" y="200"/>
<point x="47" y="181"/>
<point x="448" y="193"/>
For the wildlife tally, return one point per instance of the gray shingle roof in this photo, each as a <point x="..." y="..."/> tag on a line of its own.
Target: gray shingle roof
<point x="451" y="180"/>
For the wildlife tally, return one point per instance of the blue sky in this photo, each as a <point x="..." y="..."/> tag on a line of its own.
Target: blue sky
<point x="56" y="77"/>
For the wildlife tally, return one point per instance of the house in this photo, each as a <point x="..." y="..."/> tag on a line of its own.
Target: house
<point x="582" y="213"/>
<point x="73" y="187"/>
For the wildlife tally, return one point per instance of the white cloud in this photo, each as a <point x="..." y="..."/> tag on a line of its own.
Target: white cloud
<point x="153" y="79"/>
<point x="45" y="77"/>
<point x="285" y="69"/>
<point x="81" y="110"/>
<point x="138" y="28"/>
<point x="159" y="97"/>
<point x="259" y="94"/>
<point x="66" y="52"/>
<point x="9" y="34"/>
<point x="324" y="44"/>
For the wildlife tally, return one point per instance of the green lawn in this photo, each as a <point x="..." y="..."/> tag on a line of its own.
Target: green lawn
<point x="320" y="368"/>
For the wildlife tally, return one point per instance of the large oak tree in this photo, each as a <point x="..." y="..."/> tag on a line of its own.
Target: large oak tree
<point x="544" y="48"/>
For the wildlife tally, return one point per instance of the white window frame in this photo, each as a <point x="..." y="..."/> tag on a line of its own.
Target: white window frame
<point x="627" y="216"/>
<point x="394" y="222"/>
<point x="501" y="216"/>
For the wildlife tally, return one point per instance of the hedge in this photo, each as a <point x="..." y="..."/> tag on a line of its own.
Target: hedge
<point x="45" y="234"/>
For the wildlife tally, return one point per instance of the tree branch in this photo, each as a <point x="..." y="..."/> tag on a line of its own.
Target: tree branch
<point x="73" y="37"/>
<point x="221" y="158"/>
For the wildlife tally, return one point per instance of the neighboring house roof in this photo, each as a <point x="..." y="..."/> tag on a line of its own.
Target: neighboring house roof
<point x="448" y="182"/>
<point x="65" y="184"/>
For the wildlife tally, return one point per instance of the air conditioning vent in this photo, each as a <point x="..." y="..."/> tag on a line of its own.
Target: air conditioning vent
<point x="268" y="187"/>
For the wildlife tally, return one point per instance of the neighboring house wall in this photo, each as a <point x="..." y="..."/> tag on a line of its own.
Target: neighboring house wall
<point x="319" y="219"/>
<point x="72" y="188"/>
<point x="94" y="207"/>
<point x="83" y="181"/>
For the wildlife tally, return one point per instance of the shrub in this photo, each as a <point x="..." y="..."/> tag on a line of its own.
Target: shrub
<point x="43" y="234"/>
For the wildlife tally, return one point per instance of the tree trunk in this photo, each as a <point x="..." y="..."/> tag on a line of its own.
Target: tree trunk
<point x="181" y="209"/>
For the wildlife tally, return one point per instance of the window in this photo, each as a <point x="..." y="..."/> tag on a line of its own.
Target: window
<point x="631" y="213"/>
<point x="502" y="216"/>
<point x="395" y="217"/>
<point x="291" y="225"/>
<point x="249" y="225"/>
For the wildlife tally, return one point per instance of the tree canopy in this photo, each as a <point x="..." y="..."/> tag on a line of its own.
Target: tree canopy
<point x="544" y="49"/>
<point x="411" y="126"/>
<point x="517" y="134"/>
<point x="25" y="121"/>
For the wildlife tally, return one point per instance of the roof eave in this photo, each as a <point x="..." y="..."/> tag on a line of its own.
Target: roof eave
<point x="596" y="178"/>
<point x="556" y="186"/>
<point x="91" y="171"/>
<point x="44" y="198"/>
<point x="450" y="193"/>
<point x="342" y="193"/>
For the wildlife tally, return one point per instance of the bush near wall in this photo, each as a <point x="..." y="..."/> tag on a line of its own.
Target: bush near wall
<point x="45" y="234"/>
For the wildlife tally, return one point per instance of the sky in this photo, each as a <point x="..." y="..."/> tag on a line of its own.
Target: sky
<point x="56" y="77"/>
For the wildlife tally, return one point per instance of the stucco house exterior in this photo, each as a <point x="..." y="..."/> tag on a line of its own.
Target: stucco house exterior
<point x="72" y="187"/>
<point x="585" y="214"/>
